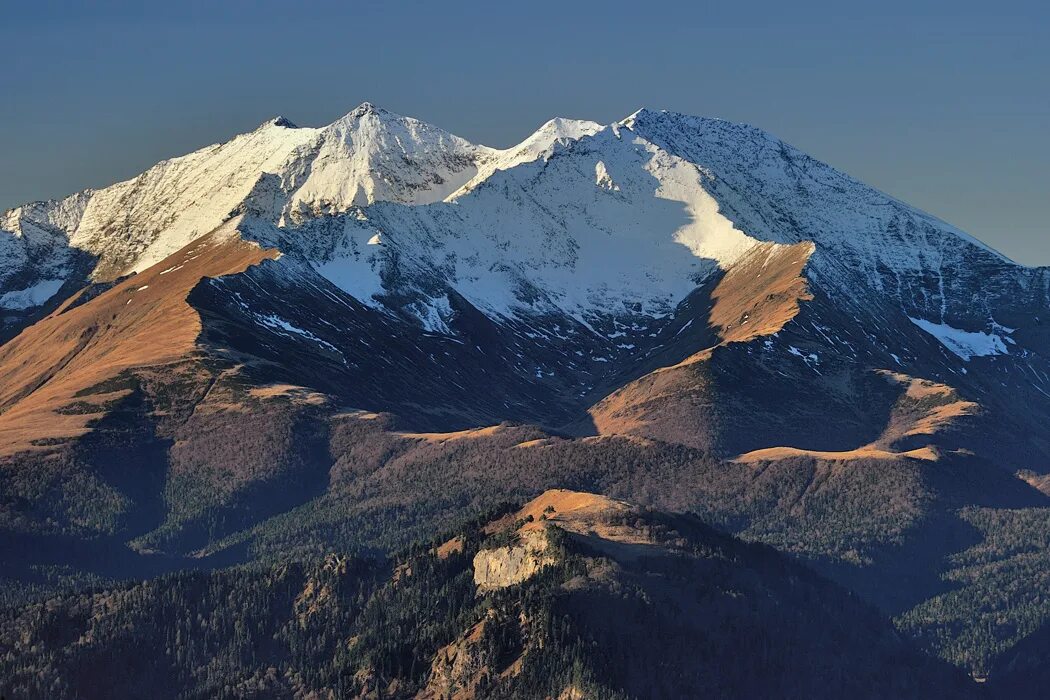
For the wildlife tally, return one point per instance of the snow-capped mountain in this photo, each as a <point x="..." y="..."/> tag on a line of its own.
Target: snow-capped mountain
<point x="580" y="231"/>
<point x="366" y="156"/>
<point x="686" y="311"/>
<point x="633" y="211"/>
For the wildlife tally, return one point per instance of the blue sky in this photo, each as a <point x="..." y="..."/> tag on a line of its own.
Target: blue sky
<point x="944" y="105"/>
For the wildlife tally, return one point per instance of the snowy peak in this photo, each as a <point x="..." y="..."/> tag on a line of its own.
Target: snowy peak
<point x="368" y="123"/>
<point x="538" y="146"/>
<point x="368" y="155"/>
<point x="596" y="243"/>
<point x="374" y="155"/>
<point x="282" y="122"/>
<point x="290" y="174"/>
<point x="628" y="121"/>
<point x="612" y="226"/>
<point x="366" y="108"/>
<point x="641" y="209"/>
<point x="374" y="129"/>
<point x="541" y="143"/>
<point x="554" y="131"/>
<point x="864" y="237"/>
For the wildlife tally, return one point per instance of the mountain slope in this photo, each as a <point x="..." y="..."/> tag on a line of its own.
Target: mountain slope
<point x="366" y="156"/>
<point x="574" y="595"/>
<point x="142" y="321"/>
<point x="358" y="333"/>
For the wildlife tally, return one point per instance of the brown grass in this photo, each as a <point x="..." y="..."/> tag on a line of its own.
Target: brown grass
<point x="761" y="292"/>
<point x="538" y="442"/>
<point x="586" y="514"/>
<point x="770" y="454"/>
<point x="144" y="320"/>
<point x="757" y="296"/>
<point x="469" y="434"/>
<point x="447" y="549"/>
<point x="292" y="391"/>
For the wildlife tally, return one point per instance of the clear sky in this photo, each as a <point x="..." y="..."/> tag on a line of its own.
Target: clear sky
<point x="945" y="105"/>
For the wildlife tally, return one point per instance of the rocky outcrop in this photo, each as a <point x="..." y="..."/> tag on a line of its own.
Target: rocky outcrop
<point x="510" y="565"/>
<point x="458" y="668"/>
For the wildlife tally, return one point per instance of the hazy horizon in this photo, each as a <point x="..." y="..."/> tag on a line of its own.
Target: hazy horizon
<point x="946" y="112"/>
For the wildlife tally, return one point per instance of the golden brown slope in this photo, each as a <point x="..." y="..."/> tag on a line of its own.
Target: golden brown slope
<point x="761" y="292"/>
<point x="757" y="296"/>
<point x="144" y="320"/>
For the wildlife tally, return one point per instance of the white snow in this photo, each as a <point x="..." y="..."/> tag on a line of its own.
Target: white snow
<point x="282" y="172"/>
<point x="602" y="178"/>
<point x="30" y="296"/>
<point x="539" y="146"/>
<point x="864" y="238"/>
<point x="541" y="237"/>
<point x="373" y="155"/>
<point x="434" y="314"/>
<point x="965" y="344"/>
<point x="279" y="324"/>
<point x="577" y="218"/>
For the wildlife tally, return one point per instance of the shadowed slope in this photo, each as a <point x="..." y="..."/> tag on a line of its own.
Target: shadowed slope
<point x="924" y="410"/>
<point x="757" y="296"/>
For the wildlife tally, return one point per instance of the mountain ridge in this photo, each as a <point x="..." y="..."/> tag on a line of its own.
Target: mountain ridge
<point x="388" y="327"/>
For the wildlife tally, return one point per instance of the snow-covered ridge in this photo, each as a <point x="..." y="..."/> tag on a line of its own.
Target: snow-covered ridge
<point x="791" y="197"/>
<point x="368" y="155"/>
<point x="576" y="218"/>
<point x="605" y="225"/>
<point x="538" y="146"/>
<point x="636" y="215"/>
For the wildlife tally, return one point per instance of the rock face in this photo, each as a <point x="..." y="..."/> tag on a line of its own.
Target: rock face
<point x="459" y="667"/>
<point x="512" y="564"/>
<point x="603" y="522"/>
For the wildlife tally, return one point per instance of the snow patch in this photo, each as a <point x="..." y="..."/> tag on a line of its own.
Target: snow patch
<point x="434" y="314"/>
<point x="965" y="344"/>
<point x="30" y="296"/>
<point x="279" y="324"/>
<point x="603" y="179"/>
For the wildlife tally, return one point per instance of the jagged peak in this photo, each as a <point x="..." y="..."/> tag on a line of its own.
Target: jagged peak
<point x="356" y="114"/>
<point x="371" y="129"/>
<point x="370" y="109"/>
<point x="550" y="133"/>
<point x="647" y="114"/>
<point x="633" y="116"/>
<point x="278" y="121"/>
<point x="570" y="128"/>
<point x="367" y="117"/>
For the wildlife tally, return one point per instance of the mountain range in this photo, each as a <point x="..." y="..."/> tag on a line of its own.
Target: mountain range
<point x="308" y="343"/>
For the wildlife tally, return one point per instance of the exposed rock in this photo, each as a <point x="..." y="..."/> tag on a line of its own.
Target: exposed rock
<point x="458" y="668"/>
<point x="506" y="566"/>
